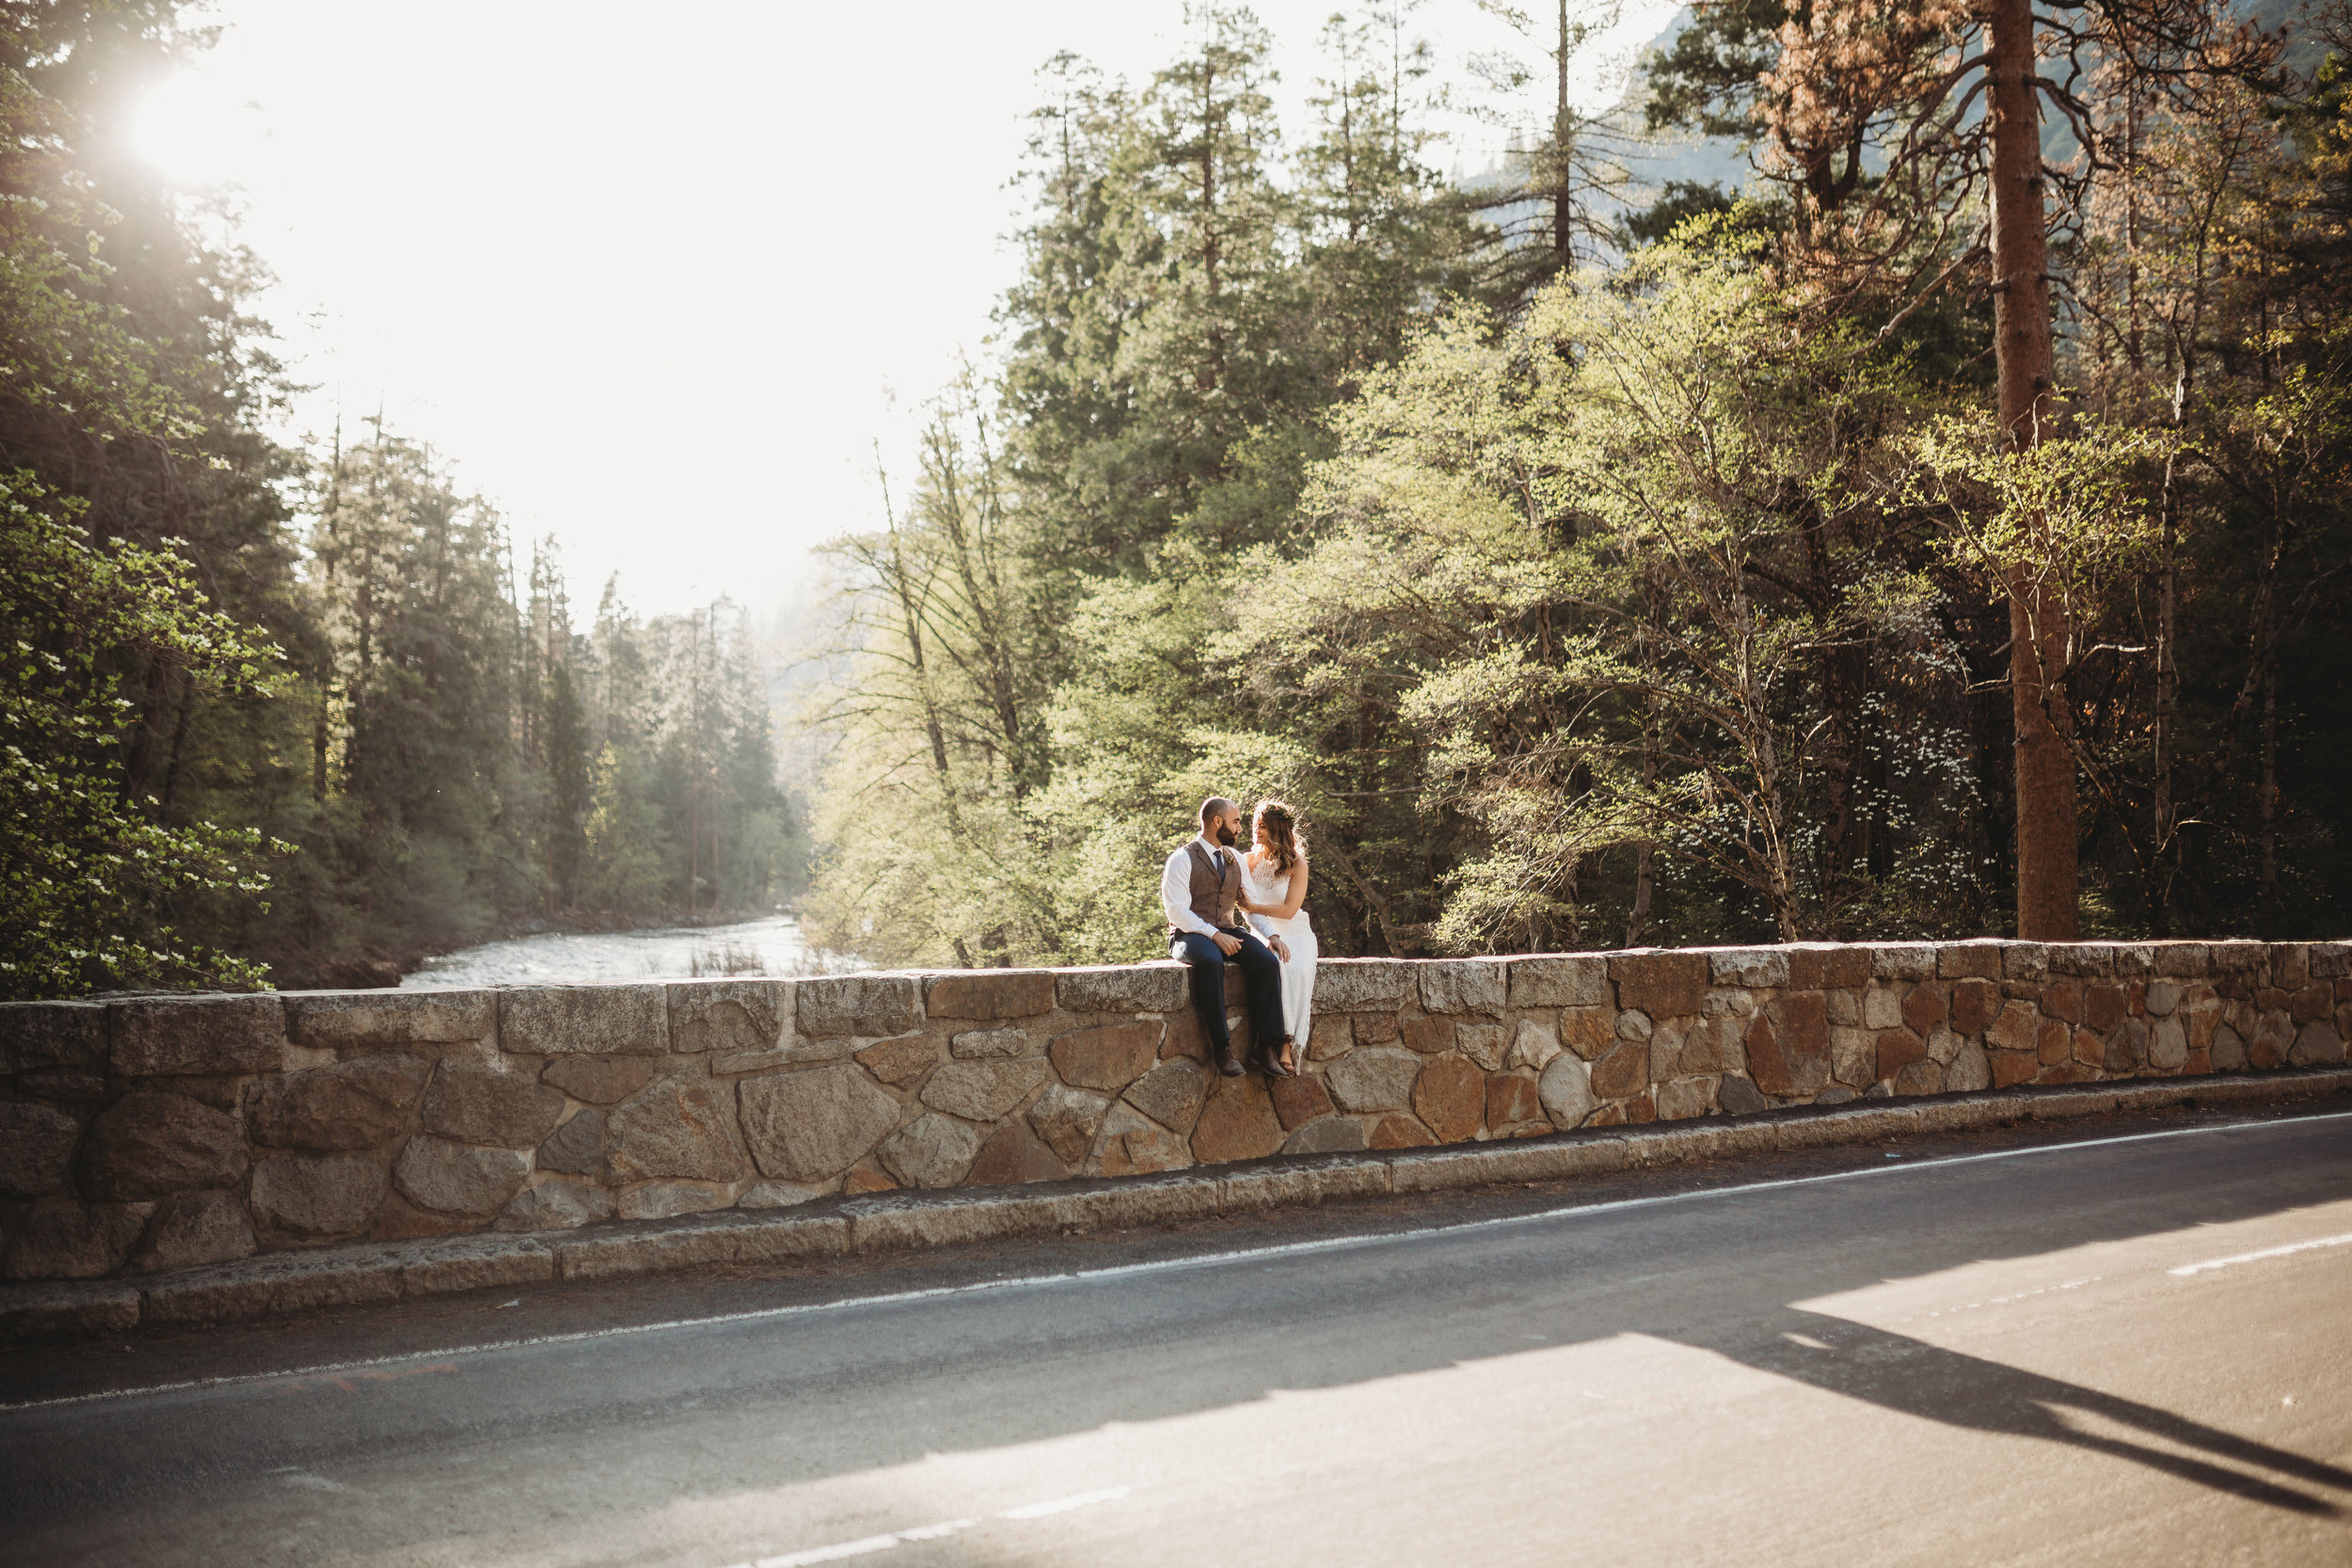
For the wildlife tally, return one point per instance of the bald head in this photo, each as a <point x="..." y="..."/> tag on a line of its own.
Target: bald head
<point x="1215" y="807"/>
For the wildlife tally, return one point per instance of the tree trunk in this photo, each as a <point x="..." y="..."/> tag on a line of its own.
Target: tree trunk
<point x="1211" y="122"/>
<point x="1562" y="195"/>
<point x="185" y="685"/>
<point x="1645" y="855"/>
<point x="902" y="588"/>
<point x="2038" y="641"/>
<point x="985" y="604"/>
<point x="693" y="784"/>
<point x="318" y="747"/>
<point x="2267" y="916"/>
<point x="2159" y="892"/>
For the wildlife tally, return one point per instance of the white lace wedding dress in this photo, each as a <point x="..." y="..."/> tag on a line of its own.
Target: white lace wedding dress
<point x="1299" y="934"/>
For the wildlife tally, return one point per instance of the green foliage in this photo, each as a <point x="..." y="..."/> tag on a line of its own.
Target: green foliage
<point x="942" y="733"/>
<point x="1662" y="599"/>
<point x="1022" y="715"/>
<point x="1628" y="549"/>
<point x="133" y="476"/>
<point x="1183" y="315"/>
<point x="481" y="762"/>
<point x="414" y="709"/>
<point x="83" y="862"/>
<point x="1705" y="78"/>
<point x="1667" y="601"/>
<point x="424" y="760"/>
<point x="2073" y="515"/>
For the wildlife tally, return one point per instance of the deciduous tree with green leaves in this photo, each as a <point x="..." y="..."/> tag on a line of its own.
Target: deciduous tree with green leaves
<point x="87" y="874"/>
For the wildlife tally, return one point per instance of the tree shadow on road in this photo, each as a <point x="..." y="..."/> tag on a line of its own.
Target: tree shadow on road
<point x="1915" y="1378"/>
<point x="755" y="1407"/>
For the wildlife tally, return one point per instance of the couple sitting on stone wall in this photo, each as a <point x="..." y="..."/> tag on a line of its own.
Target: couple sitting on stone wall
<point x="1206" y="890"/>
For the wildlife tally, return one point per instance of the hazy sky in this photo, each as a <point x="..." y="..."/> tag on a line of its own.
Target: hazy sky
<point x="651" y="277"/>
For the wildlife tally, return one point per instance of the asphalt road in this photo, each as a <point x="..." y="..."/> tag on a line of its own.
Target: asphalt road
<point x="2123" y="1344"/>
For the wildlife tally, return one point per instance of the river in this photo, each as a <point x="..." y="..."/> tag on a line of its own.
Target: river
<point x="770" y="946"/>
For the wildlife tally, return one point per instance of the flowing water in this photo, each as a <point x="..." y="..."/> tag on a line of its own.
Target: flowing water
<point x="770" y="947"/>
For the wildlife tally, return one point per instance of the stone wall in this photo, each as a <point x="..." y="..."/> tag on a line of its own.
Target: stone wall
<point x="154" y="1134"/>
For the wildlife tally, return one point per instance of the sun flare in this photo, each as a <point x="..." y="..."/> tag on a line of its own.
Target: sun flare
<point x="197" y="133"/>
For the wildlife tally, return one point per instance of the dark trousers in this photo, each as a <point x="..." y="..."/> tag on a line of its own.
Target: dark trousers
<point x="1261" y="973"/>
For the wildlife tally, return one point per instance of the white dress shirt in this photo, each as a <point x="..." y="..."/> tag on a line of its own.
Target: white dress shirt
<point x="1176" y="888"/>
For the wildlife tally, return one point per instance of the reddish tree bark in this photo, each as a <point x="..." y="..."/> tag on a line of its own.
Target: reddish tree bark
<point x="2047" y="873"/>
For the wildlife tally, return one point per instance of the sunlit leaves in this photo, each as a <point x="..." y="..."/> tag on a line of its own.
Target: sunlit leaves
<point x="82" y="866"/>
<point x="2072" y="514"/>
<point x="1597" y="560"/>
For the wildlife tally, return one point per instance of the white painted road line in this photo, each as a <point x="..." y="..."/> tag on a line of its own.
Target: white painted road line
<point x="1205" y="1260"/>
<point x="867" y="1546"/>
<point x="2185" y="1268"/>
<point x="829" y="1554"/>
<point x="863" y="1547"/>
<point x="1063" y="1505"/>
<point x="2004" y="1300"/>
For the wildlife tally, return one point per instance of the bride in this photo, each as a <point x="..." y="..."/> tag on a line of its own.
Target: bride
<point x="1274" y="889"/>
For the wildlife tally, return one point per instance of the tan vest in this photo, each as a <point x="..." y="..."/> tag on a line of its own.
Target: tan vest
<point x="1216" y="887"/>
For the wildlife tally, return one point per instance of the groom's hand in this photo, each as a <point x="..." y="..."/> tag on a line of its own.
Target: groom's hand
<point x="1281" y="950"/>
<point x="1227" y="946"/>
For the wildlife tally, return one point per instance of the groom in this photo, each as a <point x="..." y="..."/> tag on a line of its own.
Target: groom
<point x="1199" y="892"/>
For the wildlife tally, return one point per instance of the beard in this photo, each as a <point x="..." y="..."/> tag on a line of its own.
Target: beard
<point x="1225" y="836"/>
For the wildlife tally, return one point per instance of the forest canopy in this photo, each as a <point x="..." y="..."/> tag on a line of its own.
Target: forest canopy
<point x="1930" y="529"/>
<point x="279" y="715"/>
<point x="1597" y="557"/>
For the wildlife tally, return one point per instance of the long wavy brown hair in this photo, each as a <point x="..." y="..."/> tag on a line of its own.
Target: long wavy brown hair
<point x="1284" y="832"/>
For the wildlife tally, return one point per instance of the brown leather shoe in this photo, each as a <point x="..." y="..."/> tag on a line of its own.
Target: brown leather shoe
<point x="1228" y="1063"/>
<point x="1274" y="1067"/>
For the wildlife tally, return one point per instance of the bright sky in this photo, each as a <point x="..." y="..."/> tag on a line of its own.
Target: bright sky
<point x="657" y="279"/>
